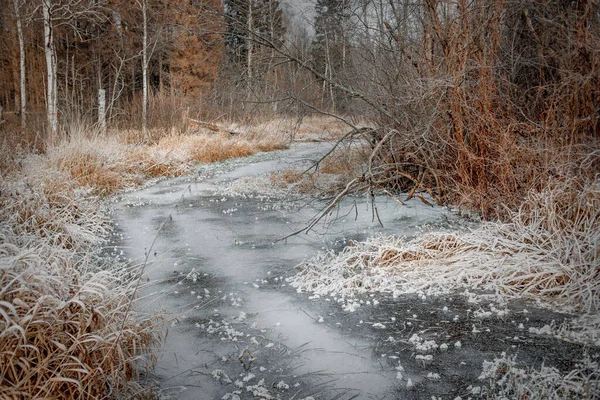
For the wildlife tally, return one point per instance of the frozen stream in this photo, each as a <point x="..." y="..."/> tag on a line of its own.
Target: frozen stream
<point x="241" y="331"/>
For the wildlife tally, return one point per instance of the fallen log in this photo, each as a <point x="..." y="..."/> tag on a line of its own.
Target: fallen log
<point x="211" y="126"/>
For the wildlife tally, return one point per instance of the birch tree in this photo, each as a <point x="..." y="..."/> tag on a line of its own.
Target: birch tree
<point x="22" y="74"/>
<point x="70" y="14"/>
<point x="50" y="55"/>
<point x="144" y="6"/>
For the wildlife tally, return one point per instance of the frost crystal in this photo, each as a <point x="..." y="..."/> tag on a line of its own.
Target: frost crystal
<point x="282" y="385"/>
<point x="433" y="376"/>
<point x="249" y="377"/>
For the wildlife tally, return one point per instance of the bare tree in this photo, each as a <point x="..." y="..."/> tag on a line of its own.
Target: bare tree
<point x="22" y="74"/>
<point x="50" y="54"/>
<point x="144" y="7"/>
<point x="69" y="14"/>
<point x="465" y="95"/>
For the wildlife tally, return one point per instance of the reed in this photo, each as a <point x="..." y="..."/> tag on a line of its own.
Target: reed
<point x="67" y="326"/>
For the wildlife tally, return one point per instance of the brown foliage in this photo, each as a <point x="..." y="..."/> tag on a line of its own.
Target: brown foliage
<point x="101" y="50"/>
<point x="74" y="339"/>
<point x="504" y="100"/>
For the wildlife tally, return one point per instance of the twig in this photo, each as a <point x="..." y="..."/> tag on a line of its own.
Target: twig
<point x="349" y="134"/>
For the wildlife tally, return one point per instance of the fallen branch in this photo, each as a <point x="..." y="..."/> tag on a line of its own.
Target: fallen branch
<point x="212" y="127"/>
<point x="330" y="207"/>
<point x="364" y="131"/>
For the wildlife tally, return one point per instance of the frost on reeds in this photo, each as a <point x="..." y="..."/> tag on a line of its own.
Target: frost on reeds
<point x="43" y="206"/>
<point x="548" y="251"/>
<point x="506" y="380"/>
<point x="68" y="327"/>
<point x="66" y="333"/>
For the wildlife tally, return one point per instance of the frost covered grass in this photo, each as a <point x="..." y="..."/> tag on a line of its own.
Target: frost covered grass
<point x="584" y="329"/>
<point x="261" y="185"/>
<point x="106" y="165"/>
<point x="66" y="331"/>
<point x="329" y="177"/>
<point x="68" y="327"/>
<point x="548" y="251"/>
<point x="504" y="379"/>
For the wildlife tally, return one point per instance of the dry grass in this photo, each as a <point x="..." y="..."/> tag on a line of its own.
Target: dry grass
<point x="296" y="182"/>
<point x="348" y="162"/>
<point x="47" y="206"/>
<point x="97" y="164"/>
<point x="67" y="327"/>
<point x="106" y="165"/>
<point x="219" y="150"/>
<point x="320" y="127"/>
<point x="313" y="128"/>
<point x="330" y="176"/>
<point x="67" y="333"/>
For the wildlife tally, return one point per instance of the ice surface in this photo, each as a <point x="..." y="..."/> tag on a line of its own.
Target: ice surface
<point x="214" y="262"/>
<point x="212" y="254"/>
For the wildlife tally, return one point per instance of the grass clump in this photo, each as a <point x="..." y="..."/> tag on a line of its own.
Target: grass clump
<point x="65" y="332"/>
<point x="547" y="251"/>
<point x="68" y="326"/>
<point x="328" y="177"/>
<point x="106" y="165"/>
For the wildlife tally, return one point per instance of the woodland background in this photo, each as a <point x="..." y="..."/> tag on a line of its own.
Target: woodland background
<point x="478" y="101"/>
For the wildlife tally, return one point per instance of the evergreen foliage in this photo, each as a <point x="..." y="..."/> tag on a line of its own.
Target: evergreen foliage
<point x="330" y="49"/>
<point x="251" y="23"/>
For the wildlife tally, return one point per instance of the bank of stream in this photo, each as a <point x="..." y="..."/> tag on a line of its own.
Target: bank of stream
<point x="241" y="331"/>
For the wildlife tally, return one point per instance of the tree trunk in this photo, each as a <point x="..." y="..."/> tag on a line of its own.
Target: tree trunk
<point x="15" y="80"/>
<point x="102" y="110"/>
<point x="249" y="47"/>
<point x="132" y="86"/>
<point x="145" y="68"/>
<point x="23" y="95"/>
<point x="51" y="95"/>
<point x="160" y="74"/>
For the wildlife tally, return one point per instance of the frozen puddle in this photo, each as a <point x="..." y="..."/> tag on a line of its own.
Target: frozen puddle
<point x="242" y="332"/>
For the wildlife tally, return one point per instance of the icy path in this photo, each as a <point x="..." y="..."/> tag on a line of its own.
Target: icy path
<point x="215" y="265"/>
